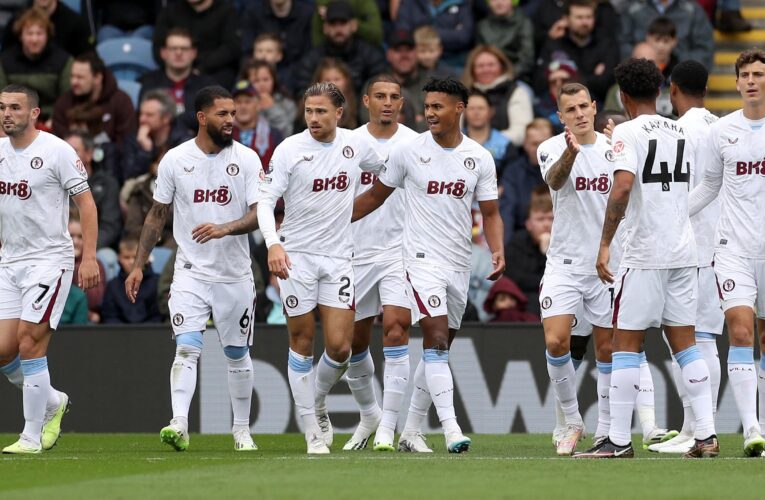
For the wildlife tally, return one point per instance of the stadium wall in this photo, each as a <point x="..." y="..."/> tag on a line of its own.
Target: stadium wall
<point x="118" y="380"/>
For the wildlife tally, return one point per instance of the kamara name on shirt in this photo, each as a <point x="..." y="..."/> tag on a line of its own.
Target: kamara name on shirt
<point x="665" y="124"/>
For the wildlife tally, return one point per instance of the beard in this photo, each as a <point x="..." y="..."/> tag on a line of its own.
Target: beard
<point x="218" y="138"/>
<point x="17" y="130"/>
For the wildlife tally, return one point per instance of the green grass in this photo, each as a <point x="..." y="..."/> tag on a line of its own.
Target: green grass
<point x="85" y="466"/>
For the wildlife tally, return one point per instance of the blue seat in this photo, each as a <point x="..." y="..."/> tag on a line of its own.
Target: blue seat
<point x="159" y="257"/>
<point x="131" y="88"/>
<point x="75" y="5"/>
<point x="127" y="57"/>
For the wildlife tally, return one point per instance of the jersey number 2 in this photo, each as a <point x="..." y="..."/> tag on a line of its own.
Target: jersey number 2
<point x="664" y="176"/>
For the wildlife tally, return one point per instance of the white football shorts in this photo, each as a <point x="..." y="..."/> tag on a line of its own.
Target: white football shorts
<point x="565" y="293"/>
<point x="648" y="298"/>
<point x="709" y="314"/>
<point x="741" y="282"/>
<point x="434" y="291"/>
<point x="379" y="284"/>
<point x="36" y="294"/>
<point x="317" y="279"/>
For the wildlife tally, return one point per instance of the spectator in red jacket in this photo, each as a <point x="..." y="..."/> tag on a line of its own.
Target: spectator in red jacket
<point x="507" y="303"/>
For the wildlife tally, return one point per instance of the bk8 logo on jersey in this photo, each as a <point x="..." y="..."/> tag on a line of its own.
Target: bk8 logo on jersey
<point x="221" y="196"/>
<point x="601" y="184"/>
<point x="368" y="178"/>
<point x="338" y="183"/>
<point x="456" y="189"/>
<point x="20" y="189"/>
<point x="749" y="167"/>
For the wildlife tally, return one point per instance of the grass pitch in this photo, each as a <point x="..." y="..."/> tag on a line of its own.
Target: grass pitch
<point x="85" y="466"/>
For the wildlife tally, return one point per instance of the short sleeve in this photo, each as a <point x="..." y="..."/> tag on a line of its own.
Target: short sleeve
<point x="486" y="187"/>
<point x="277" y="174"/>
<point x="547" y="155"/>
<point x="394" y="172"/>
<point x="71" y="171"/>
<point x="165" y="190"/>
<point x="625" y="150"/>
<point x="369" y="159"/>
<point x="255" y="175"/>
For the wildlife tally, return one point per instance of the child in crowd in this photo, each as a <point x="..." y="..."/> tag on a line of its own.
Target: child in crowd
<point x="428" y="46"/>
<point x="507" y="303"/>
<point x="116" y="307"/>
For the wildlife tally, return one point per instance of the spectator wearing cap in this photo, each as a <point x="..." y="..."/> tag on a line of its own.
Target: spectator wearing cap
<point x="365" y="12"/>
<point x="70" y="30"/>
<point x="695" y="37"/>
<point x="158" y="131"/>
<point x="37" y="62"/>
<point x="290" y="20"/>
<point x="595" y="57"/>
<point x="178" y="76"/>
<point x="363" y="59"/>
<point x="214" y="25"/>
<point x="453" y="19"/>
<point x="508" y="29"/>
<point x="92" y="83"/>
<point x="250" y="128"/>
<point x="402" y="57"/>
<point x="558" y="73"/>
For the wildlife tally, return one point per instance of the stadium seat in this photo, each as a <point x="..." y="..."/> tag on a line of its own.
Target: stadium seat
<point x="131" y="88"/>
<point x="127" y="57"/>
<point x="75" y="5"/>
<point x="159" y="257"/>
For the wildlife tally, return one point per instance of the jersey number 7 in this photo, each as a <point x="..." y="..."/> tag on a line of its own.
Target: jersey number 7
<point x="664" y="176"/>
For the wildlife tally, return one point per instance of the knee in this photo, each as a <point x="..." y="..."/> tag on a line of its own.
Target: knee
<point x="395" y="334"/>
<point x="338" y="349"/>
<point x="740" y="334"/>
<point x="27" y="347"/>
<point x="557" y="346"/>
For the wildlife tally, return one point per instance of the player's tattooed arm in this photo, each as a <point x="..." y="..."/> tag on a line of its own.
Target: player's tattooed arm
<point x="371" y="200"/>
<point x="615" y="210"/>
<point x="209" y="231"/>
<point x="561" y="169"/>
<point x="151" y="232"/>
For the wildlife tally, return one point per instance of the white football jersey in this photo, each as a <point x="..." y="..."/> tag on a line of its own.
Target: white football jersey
<point x="378" y="236"/>
<point x="440" y="187"/>
<point x="580" y="205"/>
<point x="739" y="163"/>
<point x="696" y="122"/>
<point x="658" y="229"/>
<point x="318" y="182"/>
<point x="35" y="186"/>
<point x="215" y="189"/>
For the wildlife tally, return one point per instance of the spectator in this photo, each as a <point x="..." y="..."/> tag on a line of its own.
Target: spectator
<point x="290" y="20"/>
<point x="558" y="73"/>
<point x="250" y="128"/>
<point x="275" y="106"/>
<point x="37" y="62"/>
<point x="662" y="37"/>
<point x="116" y="307"/>
<point x="521" y="176"/>
<point x="506" y="303"/>
<point x="334" y="71"/>
<point x="429" y="50"/>
<point x="158" y="130"/>
<point x="364" y="11"/>
<point x="508" y="29"/>
<point x="92" y="83"/>
<point x="363" y="59"/>
<point x="595" y="57"/>
<point x="137" y="198"/>
<point x="70" y="30"/>
<point x="178" y="77"/>
<point x="644" y="50"/>
<point x="402" y="57"/>
<point x="550" y="21"/>
<point x="268" y="48"/>
<point x="478" y="125"/>
<point x="76" y="308"/>
<point x="214" y="26"/>
<point x="119" y="18"/>
<point x="105" y="191"/>
<point x="94" y="296"/>
<point x="695" y="38"/>
<point x="453" y="20"/>
<point x="526" y="250"/>
<point x="488" y="70"/>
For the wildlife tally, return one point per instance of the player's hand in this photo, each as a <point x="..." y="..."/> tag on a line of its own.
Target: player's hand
<point x="498" y="261"/>
<point x="88" y="275"/>
<point x="207" y="231"/>
<point x="604" y="255"/>
<point x="571" y="142"/>
<point x="279" y="262"/>
<point x="609" y="130"/>
<point x="133" y="283"/>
